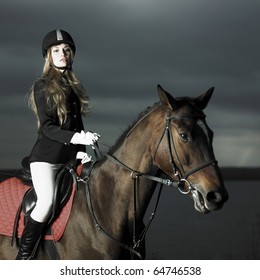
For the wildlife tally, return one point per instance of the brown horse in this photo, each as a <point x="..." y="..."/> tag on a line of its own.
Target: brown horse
<point x="170" y="143"/>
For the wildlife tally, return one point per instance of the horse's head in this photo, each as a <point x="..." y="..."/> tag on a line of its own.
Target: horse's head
<point x="185" y="151"/>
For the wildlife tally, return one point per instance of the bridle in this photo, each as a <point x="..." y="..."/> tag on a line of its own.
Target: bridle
<point x="181" y="175"/>
<point x="179" y="172"/>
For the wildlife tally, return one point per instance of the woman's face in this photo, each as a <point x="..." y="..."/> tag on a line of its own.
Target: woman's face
<point x="61" y="55"/>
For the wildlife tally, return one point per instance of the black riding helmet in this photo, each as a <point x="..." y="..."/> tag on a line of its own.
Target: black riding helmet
<point x="57" y="37"/>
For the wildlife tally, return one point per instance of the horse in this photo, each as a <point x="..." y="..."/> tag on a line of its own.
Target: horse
<point x="170" y="143"/>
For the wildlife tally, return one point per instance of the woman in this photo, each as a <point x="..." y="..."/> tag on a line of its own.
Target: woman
<point x="58" y="101"/>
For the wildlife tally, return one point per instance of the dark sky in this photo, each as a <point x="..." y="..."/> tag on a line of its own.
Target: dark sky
<point x="124" y="49"/>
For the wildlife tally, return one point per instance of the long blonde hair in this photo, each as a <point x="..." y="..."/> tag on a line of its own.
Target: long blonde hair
<point x="56" y="90"/>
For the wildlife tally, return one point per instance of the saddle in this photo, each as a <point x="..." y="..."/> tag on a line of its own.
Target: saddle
<point x="24" y="174"/>
<point x="63" y="189"/>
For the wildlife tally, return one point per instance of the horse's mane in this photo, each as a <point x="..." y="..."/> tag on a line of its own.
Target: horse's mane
<point x="143" y="114"/>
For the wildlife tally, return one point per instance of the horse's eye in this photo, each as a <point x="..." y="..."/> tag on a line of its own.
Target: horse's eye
<point x="185" y="137"/>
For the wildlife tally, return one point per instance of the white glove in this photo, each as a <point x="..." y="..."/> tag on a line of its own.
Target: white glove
<point x="83" y="138"/>
<point x="84" y="157"/>
<point x="93" y="135"/>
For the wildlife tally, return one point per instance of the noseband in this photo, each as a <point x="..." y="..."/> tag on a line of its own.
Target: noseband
<point x="180" y="173"/>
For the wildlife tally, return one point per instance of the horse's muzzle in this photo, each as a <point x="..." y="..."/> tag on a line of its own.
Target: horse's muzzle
<point x="211" y="201"/>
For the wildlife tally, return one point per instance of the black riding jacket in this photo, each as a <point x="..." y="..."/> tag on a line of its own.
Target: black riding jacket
<point x="53" y="142"/>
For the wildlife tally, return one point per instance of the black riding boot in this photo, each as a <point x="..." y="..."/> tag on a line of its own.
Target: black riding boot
<point x="30" y="239"/>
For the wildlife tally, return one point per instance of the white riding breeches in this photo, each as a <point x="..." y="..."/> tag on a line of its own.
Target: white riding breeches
<point x="43" y="178"/>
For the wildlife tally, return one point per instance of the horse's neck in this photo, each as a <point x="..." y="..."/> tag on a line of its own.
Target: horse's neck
<point x="135" y="152"/>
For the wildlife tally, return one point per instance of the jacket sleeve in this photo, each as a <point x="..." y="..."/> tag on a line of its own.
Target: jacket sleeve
<point x="49" y="123"/>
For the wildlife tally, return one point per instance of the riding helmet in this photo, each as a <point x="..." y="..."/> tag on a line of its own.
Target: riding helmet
<point x="57" y="37"/>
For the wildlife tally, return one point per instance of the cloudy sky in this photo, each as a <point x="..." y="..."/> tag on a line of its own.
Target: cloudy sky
<point x="124" y="49"/>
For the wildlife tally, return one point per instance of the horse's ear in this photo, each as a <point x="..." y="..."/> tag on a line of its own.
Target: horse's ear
<point x="167" y="99"/>
<point x="203" y="99"/>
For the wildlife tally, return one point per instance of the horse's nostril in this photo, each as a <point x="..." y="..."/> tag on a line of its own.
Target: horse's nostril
<point x="214" y="197"/>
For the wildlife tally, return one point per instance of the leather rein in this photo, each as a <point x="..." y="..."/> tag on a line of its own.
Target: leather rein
<point x="136" y="175"/>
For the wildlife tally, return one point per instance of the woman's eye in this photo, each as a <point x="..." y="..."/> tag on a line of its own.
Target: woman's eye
<point x="185" y="137"/>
